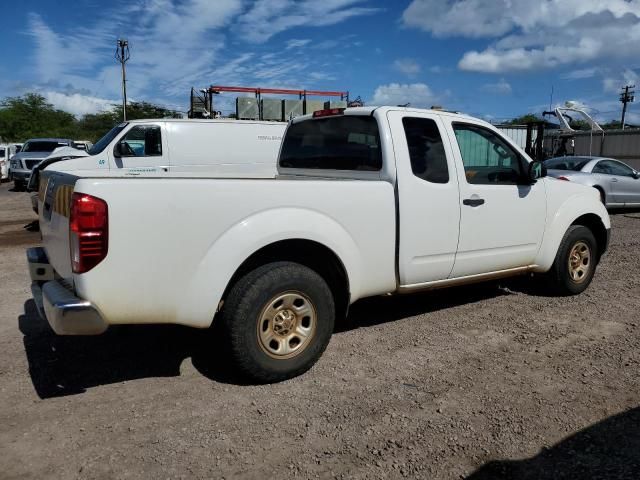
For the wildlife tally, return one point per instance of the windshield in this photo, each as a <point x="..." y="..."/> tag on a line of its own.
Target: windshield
<point x="106" y="140"/>
<point x="43" y="145"/>
<point x="567" y="163"/>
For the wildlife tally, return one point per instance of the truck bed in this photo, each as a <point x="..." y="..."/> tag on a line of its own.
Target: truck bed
<point x="174" y="243"/>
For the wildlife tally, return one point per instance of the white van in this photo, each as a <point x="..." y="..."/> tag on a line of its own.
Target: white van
<point x="220" y="147"/>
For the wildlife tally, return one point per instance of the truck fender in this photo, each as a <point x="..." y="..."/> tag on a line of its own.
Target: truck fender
<point x="571" y="210"/>
<point x="231" y="249"/>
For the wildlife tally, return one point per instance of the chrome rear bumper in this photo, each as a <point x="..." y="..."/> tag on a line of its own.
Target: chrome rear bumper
<point x="66" y="313"/>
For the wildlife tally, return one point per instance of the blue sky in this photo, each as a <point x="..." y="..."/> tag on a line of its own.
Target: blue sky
<point x="491" y="58"/>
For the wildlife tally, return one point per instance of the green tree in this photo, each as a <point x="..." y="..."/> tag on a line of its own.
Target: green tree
<point x="140" y="110"/>
<point x="523" y="120"/>
<point x="30" y="116"/>
<point x="93" y="126"/>
<point x="612" y="125"/>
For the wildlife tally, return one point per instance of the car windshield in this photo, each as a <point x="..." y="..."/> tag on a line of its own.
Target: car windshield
<point x="43" y="146"/>
<point x="567" y="163"/>
<point x="101" y="144"/>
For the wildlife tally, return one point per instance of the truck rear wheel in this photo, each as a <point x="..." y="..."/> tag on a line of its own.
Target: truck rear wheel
<point x="575" y="262"/>
<point x="277" y="320"/>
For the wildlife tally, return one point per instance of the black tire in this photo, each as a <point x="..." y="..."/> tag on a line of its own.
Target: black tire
<point x="561" y="280"/>
<point x="250" y="304"/>
<point x="18" y="186"/>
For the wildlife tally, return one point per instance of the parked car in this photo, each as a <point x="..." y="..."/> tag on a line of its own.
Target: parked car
<point x="7" y="151"/>
<point x="617" y="183"/>
<point x="368" y="201"/>
<point x="82" y="145"/>
<point x="32" y="153"/>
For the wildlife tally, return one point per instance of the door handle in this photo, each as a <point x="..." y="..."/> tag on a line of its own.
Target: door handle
<point x="614" y="179"/>
<point x="473" y="202"/>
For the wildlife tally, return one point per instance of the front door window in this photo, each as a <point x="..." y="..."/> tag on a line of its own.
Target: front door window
<point x="487" y="159"/>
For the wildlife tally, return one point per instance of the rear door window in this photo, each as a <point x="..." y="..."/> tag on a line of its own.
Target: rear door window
<point x="338" y="143"/>
<point x="426" y="151"/>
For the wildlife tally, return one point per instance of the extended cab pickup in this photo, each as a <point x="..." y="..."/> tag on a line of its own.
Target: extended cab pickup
<point x="368" y="201"/>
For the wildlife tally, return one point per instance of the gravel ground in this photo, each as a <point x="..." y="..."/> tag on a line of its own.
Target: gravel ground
<point x="490" y="381"/>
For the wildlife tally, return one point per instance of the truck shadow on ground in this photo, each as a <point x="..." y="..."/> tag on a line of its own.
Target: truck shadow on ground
<point x="609" y="449"/>
<point x="63" y="365"/>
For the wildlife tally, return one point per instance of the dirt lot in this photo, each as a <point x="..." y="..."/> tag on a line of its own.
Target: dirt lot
<point x="491" y="381"/>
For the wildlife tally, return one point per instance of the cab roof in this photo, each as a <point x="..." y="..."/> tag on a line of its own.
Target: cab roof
<point x="384" y="109"/>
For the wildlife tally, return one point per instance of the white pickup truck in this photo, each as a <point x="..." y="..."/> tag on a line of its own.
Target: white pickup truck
<point x="368" y="201"/>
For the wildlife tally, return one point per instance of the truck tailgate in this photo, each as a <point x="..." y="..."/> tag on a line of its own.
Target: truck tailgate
<point x="54" y="204"/>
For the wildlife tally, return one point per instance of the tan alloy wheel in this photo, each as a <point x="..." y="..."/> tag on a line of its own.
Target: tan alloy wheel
<point x="579" y="262"/>
<point x="286" y="325"/>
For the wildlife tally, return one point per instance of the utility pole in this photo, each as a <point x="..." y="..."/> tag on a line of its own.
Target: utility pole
<point x="122" y="55"/>
<point x="627" y="96"/>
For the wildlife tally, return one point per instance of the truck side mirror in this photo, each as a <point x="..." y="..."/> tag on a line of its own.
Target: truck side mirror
<point x="537" y="170"/>
<point x="118" y="151"/>
<point x="636" y="174"/>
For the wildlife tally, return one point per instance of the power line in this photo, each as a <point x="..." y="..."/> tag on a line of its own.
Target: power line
<point x="627" y="96"/>
<point x="123" y="55"/>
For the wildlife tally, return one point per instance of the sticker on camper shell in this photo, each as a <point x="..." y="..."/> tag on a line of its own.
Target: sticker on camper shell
<point x="269" y="137"/>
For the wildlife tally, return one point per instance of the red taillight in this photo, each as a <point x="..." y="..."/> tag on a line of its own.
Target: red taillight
<point x="329" y="112"/>
<point x="563" y="178"/>
<point x="88" y="232"/>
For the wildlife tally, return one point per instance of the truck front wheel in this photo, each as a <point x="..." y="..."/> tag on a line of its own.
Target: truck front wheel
<point x="277" y="320"/>
<point x="575" y="262"/>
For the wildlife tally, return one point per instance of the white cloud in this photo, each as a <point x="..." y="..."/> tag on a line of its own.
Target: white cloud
<point x="408" y="66"/>
<point x="416" y="94"/>
<point x="470" y="18"/>
<point x="532" y="35"/>
<point x="172" y="45"/>
<point x="580" y="74"/>
<point x="178" y="44"/>
<point x="78" y="104"/>
<point x="266" y="18"/>
<point x="297" y="43"/>
<point x="499" y="88"/>
<point x="614" y="83"/>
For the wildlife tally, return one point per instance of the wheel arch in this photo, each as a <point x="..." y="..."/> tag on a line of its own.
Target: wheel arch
<point x="314" y="255"/>
<point x="594" y="223"/>
<point x="264" y="237"/>
<point x="579" y="209"/>
<point x="603" y="194"/>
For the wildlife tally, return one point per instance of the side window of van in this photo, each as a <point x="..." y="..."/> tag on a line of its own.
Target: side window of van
<point x="142" y="141"/>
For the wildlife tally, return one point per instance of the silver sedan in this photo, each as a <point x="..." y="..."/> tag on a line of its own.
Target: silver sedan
<point x="618" y="183"/>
